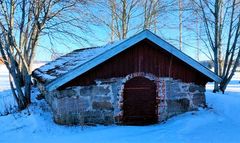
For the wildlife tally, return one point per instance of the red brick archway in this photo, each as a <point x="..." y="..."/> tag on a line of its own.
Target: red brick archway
<point x="139" y="101"/>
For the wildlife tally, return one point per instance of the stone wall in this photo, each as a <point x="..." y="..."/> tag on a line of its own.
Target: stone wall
<point x="102" y="103"/>
<point x="95" y="104"/>
<point x="182" y="97"/>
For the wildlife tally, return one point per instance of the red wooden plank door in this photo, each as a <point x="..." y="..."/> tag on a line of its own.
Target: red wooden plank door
<point x="139" y="102"/>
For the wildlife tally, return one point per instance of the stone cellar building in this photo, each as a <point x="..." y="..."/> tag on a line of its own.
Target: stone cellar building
<point x="137" y="81"/>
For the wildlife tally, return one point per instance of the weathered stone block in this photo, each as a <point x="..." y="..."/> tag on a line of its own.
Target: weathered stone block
<point x="101" y="98"/>
<point x="68" y="119"/>
<point x="108" y="119"/>
<point x="176" y="95"/>
<point x="202" y="89"/>
<point x="72" y="105"/>
<point x="102" y="105"/>
<point x="94" y="90"/>
<point x="177" y="106"/>
<point x="184" y="87"/>
<point x="93" y="117"/>
<point x="65" y="93"/>
<point x="175" y="86"/>
<point x="193" y="88"/>
<point x="199" y="99"/>
<point x="176" y="89"/>
<point x="116" y="91"/>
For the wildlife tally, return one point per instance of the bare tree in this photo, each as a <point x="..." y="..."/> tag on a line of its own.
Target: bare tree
<point x="22" y="24"/>
<point x="122" y="17"/>
<point x="150" y="14"/>
<point x="180" y="13"/>
<point x="112" y="4"/>
<point x="197" y="34"/>
<point x="221" y="20"/>
<point x="116" y="16"/>
<point x="123" y="14"/>
<point x="152" y="9"/>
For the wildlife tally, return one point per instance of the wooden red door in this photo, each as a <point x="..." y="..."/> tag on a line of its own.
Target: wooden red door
<point x="139" y="102"/>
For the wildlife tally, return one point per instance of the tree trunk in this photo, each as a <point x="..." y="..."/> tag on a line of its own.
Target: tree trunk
<point x="124" y="19"/>
<point x="113" y="17"/>
<point x="180" y="23"/>
<point x="216" y="44"/>
<point x="216" y="87"/>
<point x="27" y="86"/>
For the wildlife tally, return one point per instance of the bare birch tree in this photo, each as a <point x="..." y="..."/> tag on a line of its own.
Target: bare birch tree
<point x="124" y="12"/>
<point x="116" y="15"/>
<point x="22" y="24"/>
<point x="221" y="20"/>
<point x="122" y="17"/>
<point x="150" y="14"/>
<point x="180" y="15"/>
<point x="112" y="4"/>
<point x="152" y="9"/>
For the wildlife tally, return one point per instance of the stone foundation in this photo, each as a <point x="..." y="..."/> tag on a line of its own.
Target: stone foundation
<point x="102" y="103"/>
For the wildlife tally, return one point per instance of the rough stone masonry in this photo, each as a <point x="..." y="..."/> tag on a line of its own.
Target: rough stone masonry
<point x="101" y="103"/>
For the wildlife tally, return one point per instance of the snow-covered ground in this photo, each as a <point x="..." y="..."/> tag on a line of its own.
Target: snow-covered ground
<point x="4" y="84"/>
<point x="7" y="102"/>
<point x="218" y="124"/>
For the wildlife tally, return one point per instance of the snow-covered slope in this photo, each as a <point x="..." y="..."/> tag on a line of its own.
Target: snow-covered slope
<point x="4" y="84"/>
<point x="7" y="102"/>
<point x="4" y="80"/>
<point x="218" y="124"/>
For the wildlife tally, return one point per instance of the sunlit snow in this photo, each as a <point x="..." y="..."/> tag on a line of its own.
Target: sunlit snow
<point x="220" y="123"/>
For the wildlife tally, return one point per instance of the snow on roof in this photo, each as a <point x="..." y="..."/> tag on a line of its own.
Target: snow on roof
<point x="68" y="67"/>
<point x="68" y="62"/>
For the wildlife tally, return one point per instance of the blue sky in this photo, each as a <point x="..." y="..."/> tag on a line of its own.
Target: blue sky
<point x="100" y="36"/>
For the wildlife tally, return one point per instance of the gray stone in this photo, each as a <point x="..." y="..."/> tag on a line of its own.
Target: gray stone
<point x="175" y="87"/>
<point x="177" y="106"/>
<point x="108" y="119"/>
<point x="65" y="93"/>
<point x="202" y="89"/>
<point x="94" y="90"/>
<point x="193" y="88"/>
<point x="93" y="117"/>
<point x="176" y="95"/>
<point x="72" y="105"/>
<point x="101" y="98"/>
<point x="199" y="99"/>
<point x="116" y="87"/>
<point x="86" y="117"/>
<point x="102" y="105"/>
<point x="173" y="90"/>
<point x="49" y="98"/>
<point x="68" y="119"/>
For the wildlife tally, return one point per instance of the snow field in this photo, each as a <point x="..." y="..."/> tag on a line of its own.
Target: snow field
<point x="220" y="123"/>
<point x="7" y="102"/>
<point x="4" y="84"/>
